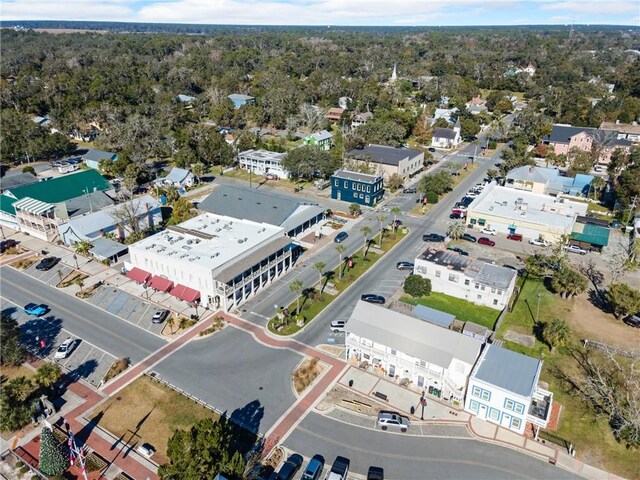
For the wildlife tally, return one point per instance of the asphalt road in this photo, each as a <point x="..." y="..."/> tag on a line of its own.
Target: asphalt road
<point x="108" y="332"/>
<point x="416" y="458"/>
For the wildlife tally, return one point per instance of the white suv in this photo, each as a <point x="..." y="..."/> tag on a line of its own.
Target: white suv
<point x="392" y="420"/>
<point x="576" y="249"/>
<point x="337" y="326"/>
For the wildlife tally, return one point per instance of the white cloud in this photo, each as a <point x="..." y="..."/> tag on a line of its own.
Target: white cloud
<point x="107" y="10"/>
<point x="582" y="7"/>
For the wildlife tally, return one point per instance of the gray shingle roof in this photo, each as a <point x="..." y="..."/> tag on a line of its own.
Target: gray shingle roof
<point x="511" y="371"/>
<point x="434" y="316"/>
<point x="240" y="96"/>
<point x="322" y="135"/>
<point x="13" y="181"/>
<point x="384" y="154"/>
<point x="176" y="175"/>
<point x="360" y="177"/>
<point x="97" y="155"/>
<point x="412" y="336"/>
<point x="447" y="133"/>
<point x="106" y="248"/>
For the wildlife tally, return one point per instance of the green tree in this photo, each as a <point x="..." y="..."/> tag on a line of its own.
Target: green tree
<point x="305" y="161"/>
<point x="11" y="351"/>
<point x="340" y="249"/>
<point x="54" y="456"/>
<point x="395" y="211"/>
<point x="395" y="182"/>
<point x="381" y="218"/>
<point x="469" y="128"/>
<point x="204" y="450"/>
<point x="20" y="388"/>
<point x="170" y="323"/>
<point x="366" y="231"/>
<point x="296" y="287"/>
<point x="181" y="210"/>
<point x="456" y="230"/>
<point x="623" y="299"/>
<point x="556" y="333"/>
<point x="83" y="247"/>
<point x="568" y="282"/>
<point x="354" y="209"/>
<point x="198" y="170"/>
<point x="492" y="173"/>
<point x="48" y="374"/>
<point x="437" y="183"/>
<point x="417" y="286"/>
<point x="80" y="283"/>
<point x="320" y="267"/>
<point x="29" y="169"/>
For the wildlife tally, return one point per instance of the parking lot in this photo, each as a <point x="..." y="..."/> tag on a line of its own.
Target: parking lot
<point x="126" y="306"/>
<point x="50" y="277"/>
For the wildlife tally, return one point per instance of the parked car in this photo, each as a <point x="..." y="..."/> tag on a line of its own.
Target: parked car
<point x="314" y="469"/>
<point x="458" y="251"/>
<point x="575" y="249"/>
<point x="432" y="237"/>
<point x="404" y="266"/>
<point x="290" y="467"/>
<point x="337" y="326"/>
<point x="341" y="237"/>
<point x="539" y="243"/>
<point x="372" y="298"/>
<point x="410" y="190"/>
<point x="486" y="241"/>
<point x="271" y="176"/>
<point x="375" y="473"/>
<point x="431" y="149"/>
<point x="35" y="309"/>
<point x="160" y="316"/>
<point x="469" y="238"/>
<point x="455" y="216"/>
<point x="339" y="469"/>
<point x="65" y="348"/>
<point x="633" y="320"/>
<point x="146" y="450"/>
<point x="615" y="224"/>
<point x="489" y="231"/>
<point x="47" y="263"/>
<point x="515" y="237"/>
<point x="392" y="420"/>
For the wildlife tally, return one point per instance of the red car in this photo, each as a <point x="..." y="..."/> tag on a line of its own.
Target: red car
<point x="486" y="241"/>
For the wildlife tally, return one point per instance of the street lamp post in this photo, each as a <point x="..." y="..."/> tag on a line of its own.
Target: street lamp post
<point x="423" y="403"/>
<point x="538" y="309"/>
<point x="75" y="257"/>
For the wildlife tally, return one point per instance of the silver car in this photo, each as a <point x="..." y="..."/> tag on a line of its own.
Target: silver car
<point x="394" y="421"/>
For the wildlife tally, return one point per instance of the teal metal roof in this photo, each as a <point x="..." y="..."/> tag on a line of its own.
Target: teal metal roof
<point x="593" y="234"/>
<point x="6" y="204"/>
<point x="64" y="188"/>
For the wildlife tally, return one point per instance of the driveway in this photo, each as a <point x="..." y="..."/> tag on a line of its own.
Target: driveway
<point x="236" y="375"/>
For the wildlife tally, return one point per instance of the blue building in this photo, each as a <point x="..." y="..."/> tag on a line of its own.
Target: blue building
<point x="240" y="100"/>
<point x="355" y="187"/>
<point x="92" y="157"/>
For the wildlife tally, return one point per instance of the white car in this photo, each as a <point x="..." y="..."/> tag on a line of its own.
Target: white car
<point x="337" y="326"/>
<point x="489" y="231"/>
<point x="64" y="349"/>
<point x="146" y="450"/>
<point x="576" y="249"/>
<point x="539" y="243"/>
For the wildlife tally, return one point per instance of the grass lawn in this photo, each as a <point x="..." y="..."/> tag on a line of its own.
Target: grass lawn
<point x="13" y="371"/>
<point x="157" y="408"/>
<point x="463" y="310"/>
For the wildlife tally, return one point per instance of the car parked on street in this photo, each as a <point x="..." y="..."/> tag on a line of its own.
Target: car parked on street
<point x="47" y="263"/>
<point x="372" y="298"/>
<point x="65" y="348"/>
<point x="404" y="266"/>
<point x="290" y="467"/>
<point x="633" y="320"/>
<point x="160" y="316"/>
<point x="458" y="251"/>
<point x="489" y="231"/>
<point x="339" y="469"/>
<point x="410" y="190"/>
<point x="517" y="237"/>
<point x="35" y="309"/>
<point x="337" y="326"/>
<point x="146" y="450"/>
<point x="375" y="473"/>
<point x="432" y="237"/>
<point x="393" y="421"/>
<point x="469" y="238"/>
<point x="486" y="241"/>
<point x="575" y="249"/>
<point x="455" y="216"/>
<point x="314" y="469"/>
<point x="341" y="237"/>
<point x="539" y="243"/>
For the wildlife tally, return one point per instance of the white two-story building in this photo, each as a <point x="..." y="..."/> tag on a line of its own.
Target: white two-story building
<point x="463" y="277"/>
<point x="431" y="357"/>
<point x="503" y="389"/>
<point x="263" y="162"/>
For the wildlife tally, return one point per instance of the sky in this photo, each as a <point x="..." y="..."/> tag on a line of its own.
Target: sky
<point x="331" y="12"/>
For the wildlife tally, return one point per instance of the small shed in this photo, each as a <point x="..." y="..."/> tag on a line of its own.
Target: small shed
<point x="476" y="331"/>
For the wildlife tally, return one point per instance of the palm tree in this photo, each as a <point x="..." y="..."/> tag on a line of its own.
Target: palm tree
<point x="340" y="249"/>
<point x="366" y="231"/>
<point x="83" y="247"/>
<point x="396" y="211"/>
<point x="598" y="183"/>
<point x="568" y="282"/>
<point x="556" y="333"/>
<point x="381" y="218"/>
<point x="20" y="388"/>
<point x="48" y="374"/>
<point x="198" y="170"/>
<point x="320" y="268"/>
<point x="80" y="282"/>
<point x="296" y="287"/>
<point x="171" y="322"/>
<point x="59" y="272"/>
<point x="456" y="230"/>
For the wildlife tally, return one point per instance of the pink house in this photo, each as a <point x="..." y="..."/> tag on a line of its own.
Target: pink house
<point x="565" y="137"/>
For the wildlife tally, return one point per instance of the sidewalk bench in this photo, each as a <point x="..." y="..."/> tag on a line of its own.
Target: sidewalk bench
<point x="381" y="396"/>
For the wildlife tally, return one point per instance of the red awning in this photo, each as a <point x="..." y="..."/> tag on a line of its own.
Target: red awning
<point x="138" y="275"/>
<point x="160" y="283"/>
<point x="187" y="294"/>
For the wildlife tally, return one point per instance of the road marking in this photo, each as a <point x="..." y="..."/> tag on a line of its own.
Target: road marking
<point x="259" y="315"/>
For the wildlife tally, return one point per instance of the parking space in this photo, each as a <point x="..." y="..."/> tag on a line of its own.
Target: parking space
<point x="126" y="306"/>
<point x="43" y="335"/>
<point x="50" y="277"/>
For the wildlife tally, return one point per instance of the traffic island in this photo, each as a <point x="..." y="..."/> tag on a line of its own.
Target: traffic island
<point x="306" y="373"/>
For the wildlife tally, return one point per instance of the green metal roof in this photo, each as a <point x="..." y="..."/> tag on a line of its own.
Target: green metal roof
<point x="593" y="234"/>
<point x="64" y="188"/>
<point x="5" y="204"/>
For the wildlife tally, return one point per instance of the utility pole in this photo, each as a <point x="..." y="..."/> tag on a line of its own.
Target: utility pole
<point x="538" y="309"/>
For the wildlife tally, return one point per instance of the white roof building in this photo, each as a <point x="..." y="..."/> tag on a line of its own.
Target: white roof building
<point x="178" y="177"/>
<point x="263" y="162"/>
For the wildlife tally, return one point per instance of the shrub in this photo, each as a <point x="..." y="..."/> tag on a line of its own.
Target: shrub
<point x="431" y="197"/>
<point x="417" y="286"/>
<point x="19" y="464"/>
<point x="492" y="145"/>
<point x="24" y="469"/>
<point x="116" y="369"/>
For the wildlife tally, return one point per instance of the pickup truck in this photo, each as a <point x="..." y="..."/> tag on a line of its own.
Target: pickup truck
<point x="339" y="469"/>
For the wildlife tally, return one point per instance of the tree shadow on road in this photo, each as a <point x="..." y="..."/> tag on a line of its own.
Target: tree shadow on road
<point x="249" y="416"/>
<point x="38" y="330"/>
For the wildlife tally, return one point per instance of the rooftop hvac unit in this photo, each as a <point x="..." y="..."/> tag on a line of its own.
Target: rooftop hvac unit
<point x="519" y="201"/>
<point x="504" y="203"/>
<point x="240" y="240"/>
<point x="184" y="255"/>
<point x="189" y="242"/>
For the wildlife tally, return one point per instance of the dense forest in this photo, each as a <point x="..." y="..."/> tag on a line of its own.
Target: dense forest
<point x="125" y="85"/>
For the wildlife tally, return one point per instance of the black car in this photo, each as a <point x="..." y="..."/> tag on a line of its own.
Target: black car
<point x="341" y="237"/>
<point x="290" y="467"/>
<point x="431" y="149"/>
<point x="469" y="238"/>
<point x="372" y="298"/>
<point x="458" y="250"/>
<point x="375" y="473"/>
<point x="432" y="237"/>
<point x="47" y="263"/>
<point x="404" y="266"/>
<point x="455" y="216"/>
<point x="410" y="190"/>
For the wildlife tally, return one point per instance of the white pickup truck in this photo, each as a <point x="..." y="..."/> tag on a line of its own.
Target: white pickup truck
<point x="339" y="469"/>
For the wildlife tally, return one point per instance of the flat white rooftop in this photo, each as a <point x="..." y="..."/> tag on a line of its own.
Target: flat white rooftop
<point x="262" y="155"/>
<point x="527" y="207"/>
<point x="208" y="240"/>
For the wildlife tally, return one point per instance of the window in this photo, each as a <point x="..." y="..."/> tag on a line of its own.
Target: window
<point x="493" y="290"/>
<point x="473" y="406"/>
<point x="366" y="356"/>
<point x="495" y="301"/>
<point x="467" y="282"/>
<point x="481" y="221"/>
<point x="393" y="352"/>
<point x="477" y="285"/>
<point x="423" y="364"/>
<point x="499" y="292"/>
<point x="473" y="221"/>
<point x="479" y="297"/>
<point x="346" y="184"/>
<point x="482" y="288"/>
<point x="494" y="414"/>
<point x="481" y="393"/>
<point x="515" y="423"/>
<point x="438" y="273"/>
<point x="453" y="278"/>
<point x="519" y="408"/>
<point x="336" y="182"/>
<point x="367" y="199"/>
<point x="368" y="188"/>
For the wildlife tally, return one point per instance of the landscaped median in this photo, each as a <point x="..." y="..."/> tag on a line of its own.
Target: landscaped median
<point x="312" y="300"/>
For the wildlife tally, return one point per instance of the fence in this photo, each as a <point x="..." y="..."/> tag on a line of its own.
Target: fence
<point x="608" y="348"/>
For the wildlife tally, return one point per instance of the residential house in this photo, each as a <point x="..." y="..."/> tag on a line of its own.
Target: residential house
<point x="41" y="121"/>
<point x="18" y="180"/>
<point x="590" y="233"/>
<point x="563" y="138"/>
<point x="361" y="119"/>
<point x="240" y="100"/>
<point x="547" y="181"/>
<point x="92" y="157"/>
<point x="532" y="215"/>
<point x="179" y="178"/>
<point x="115" y="220"/>
<point x="476" y="105"/>
<point x="344" y="102"/>
<point x="447" y="137"/>
<point x="624" y="131"/>
<point x="334" y="114"/>
<point x="185" y="98"/>
<point x="280" y="210"/>
<point x="404" y="348"/>
<point x="503" y="389"/>
<point x="447" y="113"/>
<point x="322" y="139"/>
<point x="36" y="218"/>
<point x="466" y="278"/>
<point x="263" y="162"/>
<point x="385" y="161"/>
<point x="354" y="187"/>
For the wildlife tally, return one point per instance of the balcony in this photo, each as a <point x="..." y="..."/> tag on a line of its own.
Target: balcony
<point x="540" y="408"/>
